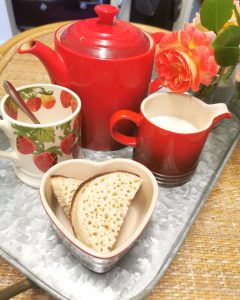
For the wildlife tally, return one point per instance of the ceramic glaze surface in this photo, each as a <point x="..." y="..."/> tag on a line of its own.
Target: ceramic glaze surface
<point x="104" y="84"/>
<point x="105" y="36"/>
<point x="171" y="155"/>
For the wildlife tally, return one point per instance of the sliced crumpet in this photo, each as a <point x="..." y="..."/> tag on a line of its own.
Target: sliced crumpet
<point x="63" y="189"/>
<point x="99" y="207"/>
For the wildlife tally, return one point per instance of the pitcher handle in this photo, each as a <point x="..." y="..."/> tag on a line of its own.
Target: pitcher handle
<point x="124" y="115"/>
<point x="12" y="155"/>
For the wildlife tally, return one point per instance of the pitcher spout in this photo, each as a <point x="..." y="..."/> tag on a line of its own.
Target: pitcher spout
<point x="220" y="111"/>
<point x="52" y="61"/>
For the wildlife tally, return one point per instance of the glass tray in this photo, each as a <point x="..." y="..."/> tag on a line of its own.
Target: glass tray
<point x="28" y="241"/>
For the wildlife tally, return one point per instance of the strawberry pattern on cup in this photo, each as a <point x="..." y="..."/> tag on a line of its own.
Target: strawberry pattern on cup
<point x="67" y="100"/>
<point x="11" y="109"/>
<point x="36" y="98"/>
<point x="37" y="147"/>
<point x="39" y="97"/>
<point x="40" y="142"/>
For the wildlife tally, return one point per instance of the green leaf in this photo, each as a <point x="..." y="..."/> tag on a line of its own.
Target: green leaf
<point x="39" y="147"/>
<point x="45" y="92"/>
<point x="54" y="149"/>
<point x="28" y="93"/>
<point x="236" y="14"/>
<point x="43" y="135"/>
<point x="215" y="13"/>
<point x="66" y="128"/>
<point x="22" y="130"/>
<point x="226" y="46"/>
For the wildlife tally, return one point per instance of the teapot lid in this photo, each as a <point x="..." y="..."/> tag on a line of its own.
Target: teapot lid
<point x="104" y="36"/>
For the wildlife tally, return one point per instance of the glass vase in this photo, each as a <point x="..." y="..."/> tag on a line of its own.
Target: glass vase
<point x="222" y="89"/>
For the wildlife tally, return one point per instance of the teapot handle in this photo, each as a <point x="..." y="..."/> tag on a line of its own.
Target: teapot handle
<point x="124" y="115"/>
<point x="155" y="85"/>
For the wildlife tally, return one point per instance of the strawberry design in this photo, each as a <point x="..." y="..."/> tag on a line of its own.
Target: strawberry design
<point x="11" y="109"/>
<point x="45" y="160"/>
<point x="76" y="149"/>
<point x="42" y="144"/>
<point x="66" y="144"/>
<point x="34" y="103"/>
<point x="76" y="123"/>
<point x="73" y="104"/>
<point x="35" y="97"/>
<point x="48" y="101"/>
<point x="25" y="145"/>
<point x="65" y="98"/>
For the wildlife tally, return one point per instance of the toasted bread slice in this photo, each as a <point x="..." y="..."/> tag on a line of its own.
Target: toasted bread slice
<point x="99" y="207"/>
<point x="63" y="189"/>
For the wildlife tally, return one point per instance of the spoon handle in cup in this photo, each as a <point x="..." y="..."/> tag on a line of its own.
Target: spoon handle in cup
<point x="10" y="89"/>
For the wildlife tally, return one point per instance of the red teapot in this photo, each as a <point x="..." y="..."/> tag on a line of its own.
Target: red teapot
<point x="108" y="63"/>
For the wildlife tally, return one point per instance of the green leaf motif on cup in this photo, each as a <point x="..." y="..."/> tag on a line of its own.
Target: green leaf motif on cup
<point x="54" y="149"/>
<point x="44" y="135"/>
<point x="45" y="92"/>
<point x="66" y="128"/>
<point x="28" y="93"/>
<point x="32" y="92"/>
<point x="22" y="130"/>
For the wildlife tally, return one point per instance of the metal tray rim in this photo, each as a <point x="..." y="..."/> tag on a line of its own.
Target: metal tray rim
<point x="171" y="254"/>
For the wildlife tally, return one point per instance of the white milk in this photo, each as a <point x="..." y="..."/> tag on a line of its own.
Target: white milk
<point x="174" y="124"/>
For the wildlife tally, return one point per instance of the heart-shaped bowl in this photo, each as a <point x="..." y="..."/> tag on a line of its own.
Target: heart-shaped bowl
<point x="138" y="215"/>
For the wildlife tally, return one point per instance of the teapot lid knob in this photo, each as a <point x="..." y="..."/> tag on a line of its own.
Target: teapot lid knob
<point x="105" y="37"/>
<point x="106" y="13"/>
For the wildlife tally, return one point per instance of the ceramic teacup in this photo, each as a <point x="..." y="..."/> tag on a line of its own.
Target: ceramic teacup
<point x="37" y="147"/>
<point x="172" y="131"/>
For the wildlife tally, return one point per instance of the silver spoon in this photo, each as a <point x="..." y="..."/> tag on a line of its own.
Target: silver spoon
<point x="10" y="89"/>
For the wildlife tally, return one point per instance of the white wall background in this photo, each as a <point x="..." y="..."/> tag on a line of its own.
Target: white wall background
<point x="189" y="7"/>
<point x="7" y="22"/>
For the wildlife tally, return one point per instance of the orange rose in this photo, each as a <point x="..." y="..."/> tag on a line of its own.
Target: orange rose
<point x="186" y="59"/>
<point x="174" y="70"/>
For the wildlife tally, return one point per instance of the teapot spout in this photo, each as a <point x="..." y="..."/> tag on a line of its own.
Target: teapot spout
<point x="52" y="61"/>
<point x="220" y="111"/>
<point x="157" y="36"/>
